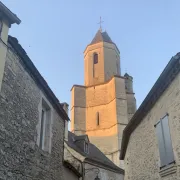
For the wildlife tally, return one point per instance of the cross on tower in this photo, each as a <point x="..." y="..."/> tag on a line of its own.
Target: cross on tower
<point x="100" y="23"/>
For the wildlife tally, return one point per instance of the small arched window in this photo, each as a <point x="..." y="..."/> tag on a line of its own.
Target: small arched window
<point x="97" y="118"/>
<point x="95" y="58"/>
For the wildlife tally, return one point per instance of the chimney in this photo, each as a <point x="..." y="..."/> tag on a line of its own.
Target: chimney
<point x="7" y="18"/>
<point x="66" y="109"/>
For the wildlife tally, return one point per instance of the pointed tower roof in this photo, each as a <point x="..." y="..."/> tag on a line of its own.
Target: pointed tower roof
<point x="101" y="37"/>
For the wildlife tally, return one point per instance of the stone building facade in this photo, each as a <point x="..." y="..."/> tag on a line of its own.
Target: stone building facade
<point x="151" y="140"/>
<point x="104" y="105"/>
<point x="84" y="160"/>
<point x="32" y="121"/>
<point x="87" y="161"/>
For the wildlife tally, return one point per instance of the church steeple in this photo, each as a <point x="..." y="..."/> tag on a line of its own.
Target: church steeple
<point x="101" y="37"/>
<point x="102" y="59"/>
<point x="102" y="107"/>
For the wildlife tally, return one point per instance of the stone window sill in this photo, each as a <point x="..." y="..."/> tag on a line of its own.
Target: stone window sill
<point x="168" y="170"/>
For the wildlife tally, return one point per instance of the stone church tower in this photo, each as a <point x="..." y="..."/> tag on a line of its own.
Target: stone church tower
<point x="102" y="107"/>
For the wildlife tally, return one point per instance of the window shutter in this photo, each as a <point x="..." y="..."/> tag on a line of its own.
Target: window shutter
<point x="1" y="24"/>
<point x="162" y="153"/>
<point x="47" y="130"/>
<point x="42" y="129"/>
<point x="167" y="139"/>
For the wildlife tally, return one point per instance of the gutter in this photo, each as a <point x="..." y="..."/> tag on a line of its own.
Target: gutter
<point x="11" y="16"/>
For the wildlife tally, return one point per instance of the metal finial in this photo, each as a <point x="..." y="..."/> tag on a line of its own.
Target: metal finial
<point x="100" y="23"/>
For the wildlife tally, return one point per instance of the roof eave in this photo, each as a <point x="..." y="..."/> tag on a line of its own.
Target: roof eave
<point x="11" y="16"/>
<point x="102" y="42"/>
<point x="119" y="170"/>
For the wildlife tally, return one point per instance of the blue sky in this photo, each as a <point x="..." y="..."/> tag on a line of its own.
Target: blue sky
<point x="55" y="33"/>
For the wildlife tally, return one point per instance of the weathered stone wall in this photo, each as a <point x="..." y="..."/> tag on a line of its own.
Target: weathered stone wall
<point x="74" y="158"/>
<point x="108" y="63"/>
<point x="78" y="110"/>
<point x="111" y="61"/>
<point x="104" y="173"/>
<point x="102" y="99"/>
<point x="20" y="156"/>
<point x="88" y="64"/>
<point x="110" y="101"/>
<point x="131" y="105"/>
<point x="142" y="159"/>
<point x="69" y="174"/>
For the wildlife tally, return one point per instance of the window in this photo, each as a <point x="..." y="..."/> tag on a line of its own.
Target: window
<point x="43" y="114"/>
<point x="164" y="142"/>
<point x="95" y="58"/>
<point x="45" y="127"/>
<point x="1" y="24"/>
<point x="95" y="65"/>
<point x="97" y="118"/>
<point x="86" y="150"/>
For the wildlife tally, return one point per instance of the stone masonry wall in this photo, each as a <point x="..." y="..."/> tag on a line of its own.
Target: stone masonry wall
<point x="88" y="65"/>
<point x="20" y="156"/>
<point x="111" y="61"/>
<point x="131" y="104"/>
<point x="78" y="110"/>
<point x="109" y="100"/>
<point x="69" y="174"/>
<point x="142" y="157"/>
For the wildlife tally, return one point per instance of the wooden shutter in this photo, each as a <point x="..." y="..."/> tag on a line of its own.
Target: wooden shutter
<point x="164" y="142"/>
<point x="42" y="129"/>
<point x="167" y="140"/>
<point x="161" y="144"/>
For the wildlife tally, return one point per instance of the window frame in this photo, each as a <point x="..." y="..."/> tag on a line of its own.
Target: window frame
<point x="164" y="144"/>
<point x="45" y="125"/>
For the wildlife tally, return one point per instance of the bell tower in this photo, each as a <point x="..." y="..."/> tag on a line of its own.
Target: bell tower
<point x="102" y="107"/>
<point x="102" y="59"/>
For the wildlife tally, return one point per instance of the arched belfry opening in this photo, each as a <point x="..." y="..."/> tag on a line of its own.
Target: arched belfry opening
<point x="95" y="58"/>
<point x="95" y="62"/>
